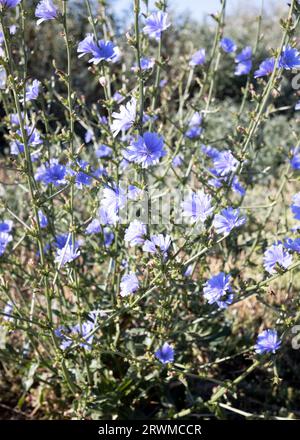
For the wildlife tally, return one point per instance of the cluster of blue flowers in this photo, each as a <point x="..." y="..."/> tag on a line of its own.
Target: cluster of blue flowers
<point x="135" y="141"/>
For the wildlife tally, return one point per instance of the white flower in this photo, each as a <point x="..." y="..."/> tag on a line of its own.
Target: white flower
<point x="125" y="118"/>
<point x="3" y="78"/>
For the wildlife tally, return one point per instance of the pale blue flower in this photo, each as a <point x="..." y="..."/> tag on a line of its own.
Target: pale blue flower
<point x="3" y="78"/>
<point x="267" y="342"/>
<point x="8" y="309"/>
<point x="43" y="219"/>
<point x="134" y="193"/>
<point x="218" y="290"/>
<point x="104" y="151"/>
<point x="146" y="64"/>
<point x="193" y="132"/>
<point x="156" y="23"/>
<point x="197" y="207"/>
<point x="125" y="118"/>
<point x="32" y="90"/>
<point x="158" y="244"/>
<point x="46" y="10"/>
<point x="198" y="58"/>
<point x="177" y="161"/>
<point x="276" y="255"/>
<point x="89" y="134"/>
<point x="227" y="220"/>
<point x="225" y="163"/>
<point x="94" y="227"/>
<point x="129" y="284"/>
<point x="135" y="233"/>
<point x="67" y="254"/>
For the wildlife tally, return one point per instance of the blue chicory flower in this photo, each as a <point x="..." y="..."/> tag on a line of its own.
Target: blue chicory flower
<point x="296" y="206"/>
<point x="8" y="309"/>
<point x="5" y="238"/>
<point x="177" y="160"/>
<point x="189" y="270"/>
<point x="33" y="140"/>
<point x="117" y="97"/>
<point x="156" y="23"/>
<point x="104" y="151"/>
<point x="289" y="59"/>
<point x="94" y="227"/>
<point x="267" y="342"/>
<point x="244" y="62"/>
<point x="80" y="332"/>
<point x="113" y="199"/>
<point x="209" y="151"/>
<point x="3" y="76"/>
<point x="225" y="163"/>
<point x="197" y="207"/>
<point x="88" y="137"/>
<point x="67" y="254"/>
<point x="6" y="226"/>
<point x="81" y="178"/>
<point x="134" y="193"/>
<point x="227" y="220"/>
<point x="129" y="284"/>
<point x="228" y="45"/>
<point x="100" y="51"/>
<point x="14" y="118"/>
<point x="195" y="120"/>
<point x="43" y="219"/>
<point x="146" y="150"/>
<point x="276" y="255"/>
<point x="62" y="239"/>
<point x="165" y="354"/>
<point x="198" y="58"/>
<point x="295" y="160"/>
<point x="46" y="10"/>
<point x="292" y="244"/>
<point x="193" y="132"/>
<point x="108" y="237"/>
<point x="32" y="90"/>
<point x="135" y="233"/>
<point x="146" y="64"/>
<point x="218" y="290"/>
<point x="52" y="172"/>
<point x="265" y="68"/>
<point x="158" y="244"/>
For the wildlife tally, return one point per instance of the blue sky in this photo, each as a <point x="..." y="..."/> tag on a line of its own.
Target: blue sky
<point x="200" y="8"/>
